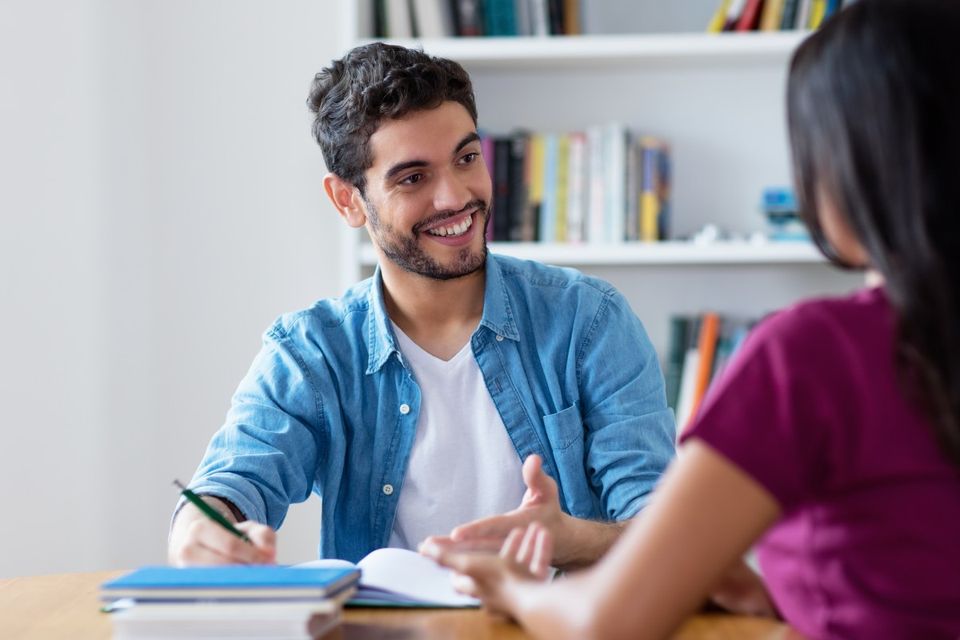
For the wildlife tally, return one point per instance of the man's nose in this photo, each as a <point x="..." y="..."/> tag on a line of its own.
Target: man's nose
<point x="452" y="192"/>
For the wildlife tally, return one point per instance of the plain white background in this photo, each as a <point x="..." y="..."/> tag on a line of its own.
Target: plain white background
<point x="161" y="203"/>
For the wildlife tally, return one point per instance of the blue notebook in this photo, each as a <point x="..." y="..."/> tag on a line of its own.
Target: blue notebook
<point x="232" y="582"/>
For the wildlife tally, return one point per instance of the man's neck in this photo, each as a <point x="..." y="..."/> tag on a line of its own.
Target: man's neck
<point x="438" y="315"/>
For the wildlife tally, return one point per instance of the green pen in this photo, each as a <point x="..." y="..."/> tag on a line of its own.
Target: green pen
<point x="212" y="513"/>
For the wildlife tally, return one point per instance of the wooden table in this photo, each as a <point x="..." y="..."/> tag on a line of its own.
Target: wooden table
<point x="66" y="606"/>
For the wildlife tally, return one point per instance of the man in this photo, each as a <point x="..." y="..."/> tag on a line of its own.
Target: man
<point x="409" y="403"/>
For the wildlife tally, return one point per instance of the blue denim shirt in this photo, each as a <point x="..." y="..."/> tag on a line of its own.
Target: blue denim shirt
<point x="329" y="405"/>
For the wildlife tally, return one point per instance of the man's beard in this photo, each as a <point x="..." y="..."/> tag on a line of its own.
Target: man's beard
<point x="405" y="252"/>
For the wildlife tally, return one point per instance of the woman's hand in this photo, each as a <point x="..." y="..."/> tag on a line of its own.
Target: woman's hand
<point x="496" y="578"/>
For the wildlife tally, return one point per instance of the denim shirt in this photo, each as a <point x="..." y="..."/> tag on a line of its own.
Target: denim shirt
<point x="329" y="405"/>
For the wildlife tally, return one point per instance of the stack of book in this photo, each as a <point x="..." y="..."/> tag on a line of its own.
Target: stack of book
<point x="606" y="184"/>
<point x="227" y="602"/>
<point x="498" y="18"/>
<point x="772" y="15"/>
<point x="701" y="347"/>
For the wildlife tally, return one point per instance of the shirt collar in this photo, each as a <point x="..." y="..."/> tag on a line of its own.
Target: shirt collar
<point x="497" y="315"/>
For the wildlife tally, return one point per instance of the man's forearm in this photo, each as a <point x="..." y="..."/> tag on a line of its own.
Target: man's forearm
<point x="585" y="541"/>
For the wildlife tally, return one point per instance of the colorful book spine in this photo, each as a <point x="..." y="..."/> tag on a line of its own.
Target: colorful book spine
<point x="707" y="347"/>
<point x="649" y="201"/>
<point x="772" y="15"/>
<point x="719" y="17"/>
<point x="577" y="193"/>
<point x="486" y="150"/>
<point x="548" y="211"/>
<point x="563" y="187"/>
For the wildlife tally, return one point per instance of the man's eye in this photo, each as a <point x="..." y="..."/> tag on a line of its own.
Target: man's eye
<point x="413" y="178"/>
<point x="469" y="157"/>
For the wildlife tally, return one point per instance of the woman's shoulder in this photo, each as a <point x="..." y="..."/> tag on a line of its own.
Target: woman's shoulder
<point x="864" y="315"/>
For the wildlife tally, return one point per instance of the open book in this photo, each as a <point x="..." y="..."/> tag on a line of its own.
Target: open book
<point x="401" y="578"/>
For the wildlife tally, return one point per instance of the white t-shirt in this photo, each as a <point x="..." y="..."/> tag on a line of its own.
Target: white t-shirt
<point x="463" y="465"/>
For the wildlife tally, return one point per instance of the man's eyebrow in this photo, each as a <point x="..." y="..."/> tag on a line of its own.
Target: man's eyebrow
<point x="400" y="167"/>
<point x="473" y="136"/>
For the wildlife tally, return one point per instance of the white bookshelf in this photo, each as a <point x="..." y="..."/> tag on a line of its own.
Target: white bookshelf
<point x="593" y="50"/>
<point x="717" y="98"/>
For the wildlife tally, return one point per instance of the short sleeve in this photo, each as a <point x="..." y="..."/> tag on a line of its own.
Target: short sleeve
<point x="772" y="409"/>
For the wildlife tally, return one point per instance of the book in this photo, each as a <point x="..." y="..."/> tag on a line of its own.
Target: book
<point x="401" y="578"/>
<point x="285" y="620"/>
<point x="734" y="11"/>
<point x="432" y="19"/>
<point x="772" y="15"/>
<point x="719" y="17"/>
<point x="399" y="19"/>
<point x="673" y="371"/>
<point x="518" y="184"/>
<point x="229" y="583"/>
<point x="649" y="200"/>
<point x="750" y="18"/>
<point x="500" y="18"/>
<point x="707" y="348"/>
<point x="468" y="18"/>
<point x="577" y="193"/>
<point x="501" y="189"/>
<point x="487" y="151"/>
<point x="789" y="16"/>
<point x="803" y="15"/>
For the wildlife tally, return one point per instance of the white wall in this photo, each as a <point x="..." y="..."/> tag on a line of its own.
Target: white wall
<point x="161" y="203"/>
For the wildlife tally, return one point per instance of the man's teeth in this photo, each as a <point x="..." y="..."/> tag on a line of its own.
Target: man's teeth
<point x="454" y="229"/>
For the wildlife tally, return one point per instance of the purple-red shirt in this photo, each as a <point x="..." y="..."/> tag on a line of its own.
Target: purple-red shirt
<point x="868" y="545"/>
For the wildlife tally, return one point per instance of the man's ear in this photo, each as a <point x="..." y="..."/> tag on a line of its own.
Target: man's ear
<point x="347" y="199"/>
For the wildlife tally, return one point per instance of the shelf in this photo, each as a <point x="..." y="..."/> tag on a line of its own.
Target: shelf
<point x="542" y="52"/>
<point x="660" y="253"/>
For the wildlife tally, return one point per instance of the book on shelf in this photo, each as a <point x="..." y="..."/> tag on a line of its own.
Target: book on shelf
<point x="432" y="19"/>
<point x="398" y="18"/>
<point x="488" y="152"/>
<point x="700" y="348"/>
<point x="401" y="578"/>
<point x="500" y="18"/>
<point x="771" y="15"/>
<point x="605" y="185"/>
<point x="749" y="19"/>
<point x="471" y="18"/>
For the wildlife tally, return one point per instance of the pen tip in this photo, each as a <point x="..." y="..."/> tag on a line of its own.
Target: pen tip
<point x="178" y="484"/>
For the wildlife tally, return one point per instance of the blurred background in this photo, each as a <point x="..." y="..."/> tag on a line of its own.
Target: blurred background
<point x="161" y="204"/>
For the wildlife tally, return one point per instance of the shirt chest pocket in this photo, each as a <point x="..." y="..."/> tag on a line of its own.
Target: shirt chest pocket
<point x="566" y="434"/>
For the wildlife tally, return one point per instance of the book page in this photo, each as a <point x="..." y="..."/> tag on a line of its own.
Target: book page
<point x="410" y="574"/>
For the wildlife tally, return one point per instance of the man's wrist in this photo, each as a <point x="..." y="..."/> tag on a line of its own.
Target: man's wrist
<point x="581" y="543"/>
<point x="216" y="502"/>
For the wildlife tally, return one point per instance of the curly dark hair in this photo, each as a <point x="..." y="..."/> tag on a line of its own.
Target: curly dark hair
<point x="375" y="82"/>
<point x="872" y="104"/>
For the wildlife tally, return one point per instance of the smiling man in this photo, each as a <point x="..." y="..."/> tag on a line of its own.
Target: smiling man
<point x="455" y="394"/>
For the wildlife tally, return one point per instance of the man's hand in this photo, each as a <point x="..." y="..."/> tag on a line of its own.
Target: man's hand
<point x="524" y="558"/>
<point x="195" y="539"/>
<point x="742" y="591"/>
<point x="576" y="542"/>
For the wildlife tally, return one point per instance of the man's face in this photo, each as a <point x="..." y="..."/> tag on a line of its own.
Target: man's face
<point x="428" y="191"/>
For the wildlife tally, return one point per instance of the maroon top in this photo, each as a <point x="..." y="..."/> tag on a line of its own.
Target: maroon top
<point x="868" y="545"/>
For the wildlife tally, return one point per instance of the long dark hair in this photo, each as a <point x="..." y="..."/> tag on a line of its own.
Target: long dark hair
<point x="873" y="104"/>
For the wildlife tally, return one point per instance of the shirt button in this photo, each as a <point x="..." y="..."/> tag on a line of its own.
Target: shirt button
<point x="499" y="338"/>
<point x="387" y="489"/>
<point x="404" y="408"/>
